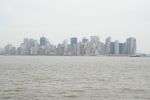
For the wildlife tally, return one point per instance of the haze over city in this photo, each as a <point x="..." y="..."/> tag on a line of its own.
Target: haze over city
<point x="61" y="19"/>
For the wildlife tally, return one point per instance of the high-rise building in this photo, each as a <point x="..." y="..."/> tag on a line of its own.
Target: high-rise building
<point x="83" y="46"/>
<point x="116" y="48"/>
<point x="84" y="40"/>
<point x="95" y="39"/>
<point x="26" y="47"/>
<point x="10" y="50"/>
<point x="60" y="49"/>
<point x="102" y="48"/>
<point x="34" y="48"/>
<point x="122" y="48"/>
<point x="131" y="46"/>
<point x="65" y="44"/>
<point x="112" y="48"/>
<point x="42" y="41"/>
<point x="74" y="42"/>
<point x="95" y="45"/>
<point x="107" y="45"/>
<point x="79" y="49"/>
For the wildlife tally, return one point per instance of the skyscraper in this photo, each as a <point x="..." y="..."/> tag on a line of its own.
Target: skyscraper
<point x="116" y="48"/>
<point x="74" y="41"/>
<point x="65" y="44"/>
<point x="95" y="39"/>
<point x="112" y="45"/>
<point x="42" y="41"/>
<point x="83" y="46"/>
<point x="73" y="45"/>
<point x="107" y="45"/>
<point x="95" y="45"/>
<point x="84" y="40"/>
<point x="34" y="48"/>
<point x="122" y="48"/>
<point x="131" y="46"/>
<point x="27" y="46"/>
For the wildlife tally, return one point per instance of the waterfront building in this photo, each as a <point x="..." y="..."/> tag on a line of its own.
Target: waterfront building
<point x="107" y="45"/>
<point x="122" y="48"/>
<point x="74" y="41"/>
<point x="88" y="50"/>
<point x="131" y="46"/>
<point x="83" y="46"/>
<point x="10" y="50"/>
<point x="84" y="40"/>
<point x="27" y="46"/>
<point x="95" y="45"/>
<point x="112" y="48"/>
<point x="60" y="50"/>
<point x="78" y="49"/>
<point x="34" y="47"/>
<point x="116" y="47"/>
<point x="42" y="41"/>
<point x="102" y="48"/>
<point x="73" y="45"/>
<point x="65" y="44"/>
<point x="95" y="39"/>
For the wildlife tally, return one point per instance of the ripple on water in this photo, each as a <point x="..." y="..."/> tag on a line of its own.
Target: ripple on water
<point x="13" y="90"/>
<point x="61" y="92"/>
<point x="77" y="90"/>
<point x="7" y="97"/>
<point x="78" y="78"/>
<point x="71" y="96"/>
<point x="133" y="90"/>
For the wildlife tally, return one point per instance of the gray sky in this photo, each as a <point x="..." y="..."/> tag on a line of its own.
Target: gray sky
<point x="61" y="19"/>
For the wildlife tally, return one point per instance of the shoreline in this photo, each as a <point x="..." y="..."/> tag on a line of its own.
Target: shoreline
<point x="72" y="56"/>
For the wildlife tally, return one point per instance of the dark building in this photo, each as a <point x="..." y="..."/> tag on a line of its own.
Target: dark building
<point x="42" y="41"/>
<point x="122" y="48"/>
<point x="74" y="42"/>
<point x="84" y="40"/>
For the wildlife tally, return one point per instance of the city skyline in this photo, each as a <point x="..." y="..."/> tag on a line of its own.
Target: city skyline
<point x="62" y="19"/>
<point x="75" y="47"/>
<point x="79" y="39"/>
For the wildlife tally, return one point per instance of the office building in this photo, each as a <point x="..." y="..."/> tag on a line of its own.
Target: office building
<point x="122" y="48"/>
<point x="107" y="45"/>
<point x="116" y="48"/>
<point x="73" y="45"/>
<point x="42" y="41"/>
<point x="131" y="46"/>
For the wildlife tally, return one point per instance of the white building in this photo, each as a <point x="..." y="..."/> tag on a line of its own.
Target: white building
<point x="107" y="45"/>
<point x="116" y="48"/>
<point x="131" y="46"/>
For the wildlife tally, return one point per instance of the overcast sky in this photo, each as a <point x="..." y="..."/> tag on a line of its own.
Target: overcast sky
<point x="61" y="19"/>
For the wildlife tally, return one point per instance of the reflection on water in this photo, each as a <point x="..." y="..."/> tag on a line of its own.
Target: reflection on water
<point x="74" y="78"/>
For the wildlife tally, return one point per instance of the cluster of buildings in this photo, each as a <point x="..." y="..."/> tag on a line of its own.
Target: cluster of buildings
<point x="84" y="47"/>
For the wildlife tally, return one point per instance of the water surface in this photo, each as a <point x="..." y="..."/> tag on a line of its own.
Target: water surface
<point x="74" y="78"/>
